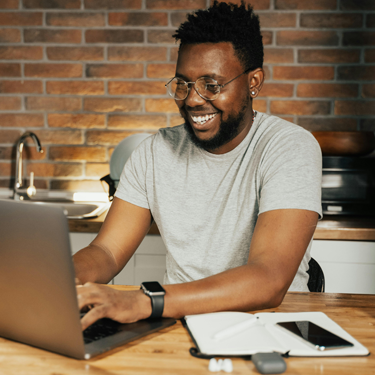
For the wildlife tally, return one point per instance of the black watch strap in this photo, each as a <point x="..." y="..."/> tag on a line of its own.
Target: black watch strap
<point x="157" y="303"/>
<point x="156" y="293"/>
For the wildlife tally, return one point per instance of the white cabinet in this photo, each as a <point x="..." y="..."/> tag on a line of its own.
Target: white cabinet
<point x="147" y="264"/>
<point x="348" y="266"/>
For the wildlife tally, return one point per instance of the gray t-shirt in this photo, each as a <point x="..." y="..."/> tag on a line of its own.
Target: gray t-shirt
<point x="206" y="205"/>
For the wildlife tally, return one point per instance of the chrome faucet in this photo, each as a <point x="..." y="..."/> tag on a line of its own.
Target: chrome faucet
<point x="18" y="192"/>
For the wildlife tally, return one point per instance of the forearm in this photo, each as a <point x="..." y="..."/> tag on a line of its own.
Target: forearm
<point x="243" y="288"/>
<point x="278" y="245"/>
<point x="216" y="293"/>
<point x="121" y="233"/>
<point x="94" y="264"/>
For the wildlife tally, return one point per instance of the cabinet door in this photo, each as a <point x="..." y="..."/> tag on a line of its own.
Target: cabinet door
<point x="348" y="266"/>
<point x="147" y="264"/>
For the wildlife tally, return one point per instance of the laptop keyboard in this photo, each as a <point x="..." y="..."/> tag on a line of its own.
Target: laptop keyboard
<point x="100" y="329"/>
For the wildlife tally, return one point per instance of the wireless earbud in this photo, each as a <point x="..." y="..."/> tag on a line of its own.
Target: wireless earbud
<point x="222" y="364"/>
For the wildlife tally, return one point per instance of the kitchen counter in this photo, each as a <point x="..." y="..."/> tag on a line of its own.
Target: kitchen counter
<point x="330" y="228"/>
<point x="346" y="228"/>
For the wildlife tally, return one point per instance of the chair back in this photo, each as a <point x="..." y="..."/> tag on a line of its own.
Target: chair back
<point x="316" y="281"/>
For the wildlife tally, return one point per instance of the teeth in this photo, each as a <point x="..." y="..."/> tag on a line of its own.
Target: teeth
<point x="202" y="119"/>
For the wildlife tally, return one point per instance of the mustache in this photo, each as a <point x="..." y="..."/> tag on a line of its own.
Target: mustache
<point x="203" y="109"/>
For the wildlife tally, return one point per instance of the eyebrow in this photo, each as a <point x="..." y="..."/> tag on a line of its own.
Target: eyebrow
<point x="211" y="75"/>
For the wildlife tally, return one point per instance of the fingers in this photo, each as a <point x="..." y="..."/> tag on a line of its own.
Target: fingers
<point x="92" y="316"/>
<point x="77" y="281"/>
<point x="105" y="302"/>
<point x="97" y="300"/>
<point x="90" y="300"/>
<point x="90" y="294"/>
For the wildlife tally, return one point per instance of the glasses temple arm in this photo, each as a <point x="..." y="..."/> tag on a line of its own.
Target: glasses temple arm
<point x="246" y="71"/>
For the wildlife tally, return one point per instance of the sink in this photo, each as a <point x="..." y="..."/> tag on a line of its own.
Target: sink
<point x="73" y="209"/>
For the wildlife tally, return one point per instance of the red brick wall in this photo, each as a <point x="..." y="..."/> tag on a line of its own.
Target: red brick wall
<point x="84" y="74"/>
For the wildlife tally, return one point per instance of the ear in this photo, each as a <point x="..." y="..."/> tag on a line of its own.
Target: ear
<point x="256" y="78"/>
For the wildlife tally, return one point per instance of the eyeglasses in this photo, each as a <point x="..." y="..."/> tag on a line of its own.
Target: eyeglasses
<point x="206" y="87"/>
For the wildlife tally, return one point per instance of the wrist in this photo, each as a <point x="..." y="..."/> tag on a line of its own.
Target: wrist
<point x="144" y="305"/>
<point x="156" y="293"/>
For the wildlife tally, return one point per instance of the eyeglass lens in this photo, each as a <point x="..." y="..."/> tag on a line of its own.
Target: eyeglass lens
<point x="206" y="87"/>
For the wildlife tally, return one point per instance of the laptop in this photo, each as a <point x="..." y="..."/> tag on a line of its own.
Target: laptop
<point x="38" y="294"/>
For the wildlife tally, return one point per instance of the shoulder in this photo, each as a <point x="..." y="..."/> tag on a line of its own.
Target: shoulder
<point x="284" y="134"/>
<point x="277" y="126"/>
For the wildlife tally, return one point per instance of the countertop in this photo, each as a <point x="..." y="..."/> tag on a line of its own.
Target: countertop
<point x="346" y="228"/>
<point x="329" y="228"/>
<point x="167" y="352"/>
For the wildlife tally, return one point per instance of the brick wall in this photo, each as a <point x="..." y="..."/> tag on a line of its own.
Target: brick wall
<point x="84" y="74"/>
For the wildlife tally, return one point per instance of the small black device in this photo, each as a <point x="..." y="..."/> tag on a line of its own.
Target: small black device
<point x="269" y="363"/>
<point x="156" y="292"/>
<point x="348" y="186"/>
<point x="317" y="336"/>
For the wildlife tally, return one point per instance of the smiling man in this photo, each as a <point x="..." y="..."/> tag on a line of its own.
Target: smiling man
<point x="235" y="193"/>
<point x="217" y="116"/>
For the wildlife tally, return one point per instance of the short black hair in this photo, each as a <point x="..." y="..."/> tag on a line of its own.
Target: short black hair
<point x="226" y="22"/>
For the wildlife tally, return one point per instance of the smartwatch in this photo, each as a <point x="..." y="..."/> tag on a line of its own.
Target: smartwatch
<point x="156" y="292"/>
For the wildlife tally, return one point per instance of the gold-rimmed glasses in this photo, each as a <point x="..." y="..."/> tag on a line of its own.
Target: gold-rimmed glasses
<point x="206" y="87"/>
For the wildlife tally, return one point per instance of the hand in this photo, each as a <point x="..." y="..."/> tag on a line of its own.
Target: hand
<point x="105" y="302"/>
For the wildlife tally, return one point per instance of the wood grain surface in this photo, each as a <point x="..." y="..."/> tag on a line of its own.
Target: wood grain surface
<point x="167" y="352"/>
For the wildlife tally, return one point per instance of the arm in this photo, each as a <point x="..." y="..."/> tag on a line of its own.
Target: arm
<point x="122" y="231"/>
<point x="279" y="242"/>
<point x="278" y="245"/>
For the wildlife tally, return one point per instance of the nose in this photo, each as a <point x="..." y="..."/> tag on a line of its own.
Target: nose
<point x="193" y="99"/>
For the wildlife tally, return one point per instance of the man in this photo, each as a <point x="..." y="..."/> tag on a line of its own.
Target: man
<point x="235" y="193"/>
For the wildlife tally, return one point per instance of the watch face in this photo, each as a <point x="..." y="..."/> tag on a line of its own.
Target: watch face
<point x="153" y="286"/>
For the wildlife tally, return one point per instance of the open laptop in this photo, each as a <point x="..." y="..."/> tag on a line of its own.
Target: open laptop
<point x="37" y="289"/>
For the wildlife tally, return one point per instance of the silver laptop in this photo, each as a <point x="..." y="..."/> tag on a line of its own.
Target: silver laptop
<point x="38" y="295"/>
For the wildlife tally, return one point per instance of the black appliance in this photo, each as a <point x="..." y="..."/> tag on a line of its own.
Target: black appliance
<point x="348" y="186"/>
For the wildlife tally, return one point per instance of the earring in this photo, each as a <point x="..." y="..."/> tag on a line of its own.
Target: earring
<point x="254" y="92"/>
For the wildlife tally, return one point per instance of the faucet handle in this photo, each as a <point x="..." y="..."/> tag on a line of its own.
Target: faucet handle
<point x="31" y="190"/>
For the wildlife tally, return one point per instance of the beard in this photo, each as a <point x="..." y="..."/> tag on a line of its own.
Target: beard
<point x="228" y="130"/>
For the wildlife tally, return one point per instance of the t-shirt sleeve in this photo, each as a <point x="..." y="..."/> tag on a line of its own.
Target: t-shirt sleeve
<point x="132" y="184"/>
<point x="291" y="173"/>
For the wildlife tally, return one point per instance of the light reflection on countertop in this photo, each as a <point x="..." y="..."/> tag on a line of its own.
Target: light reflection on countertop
<point x="336" y="227"/>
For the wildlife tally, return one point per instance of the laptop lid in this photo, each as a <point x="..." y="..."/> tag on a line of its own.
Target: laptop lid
<point x="38" y="295"/>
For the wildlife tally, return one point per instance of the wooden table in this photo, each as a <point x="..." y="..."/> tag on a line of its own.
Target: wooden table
<point x="167" y="352"/>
